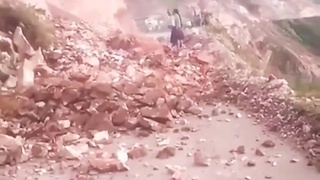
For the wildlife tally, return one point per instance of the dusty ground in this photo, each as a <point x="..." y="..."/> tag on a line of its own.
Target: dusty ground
<point x="217" y="135"/>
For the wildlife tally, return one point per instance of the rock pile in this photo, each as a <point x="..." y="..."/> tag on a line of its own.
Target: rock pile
<point x="90" y="88"/>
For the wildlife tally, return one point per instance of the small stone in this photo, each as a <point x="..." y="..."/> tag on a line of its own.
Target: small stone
<point x="251" y="163"/>
<point x="231" y="162"/>
<point x="238" y="115"/>
<point x="185" y="137"/>
<point x="278" y="155"/>
<point x="166" y="153"/>
<point x="39" y="150"/>
<point x="163" y="142"/>
<point x="11" y="149"/>
<point x="73" y="152"/>
<point x="272" y="162"/>
<point x="175" y="172"/>
<point x="200" y="160"/>
<point x="186" y="129"/>
<point x="107" y="165"/>
<point x="195" y="110"/>
<point x="70" y="137"/>
<point x="268" y="177"/>
<point x="258" y="152"/>
<point x="294" y="160"/>
<point x="241" y="150"/>
<point x="215" y="112"/>
<point x="247" y="178"/>
<point x="268" y="144"/>
<point x="101" y="137"/>
<point x="137" y="151"/>
<point x="143" y="133"/>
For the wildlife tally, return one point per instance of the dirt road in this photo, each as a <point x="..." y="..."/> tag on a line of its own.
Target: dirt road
<point x="215" y="136"/>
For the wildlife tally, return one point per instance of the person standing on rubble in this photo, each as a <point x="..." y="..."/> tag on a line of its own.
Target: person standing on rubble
<point x="196" y="17"/>
<point x="202" y="4"/>
<point x="177" y="34"/>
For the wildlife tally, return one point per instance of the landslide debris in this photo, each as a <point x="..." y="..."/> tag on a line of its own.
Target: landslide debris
<point x="84" y="90"/>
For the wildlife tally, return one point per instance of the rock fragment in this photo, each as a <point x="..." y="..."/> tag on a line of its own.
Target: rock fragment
<point x="101" y="137"/>
<point x="251" y="163"/>
<point x="259" y="152"/>
<point x="102" y="165"/>
<point x="241" y="150"/>
<point x="166" y="153"/>
<point x="268" y="144"/>
<point x="11" y="149"/>
<point x="137" y="151"/>
<point x="201" y="160"/>
<point x="39" y="150"/>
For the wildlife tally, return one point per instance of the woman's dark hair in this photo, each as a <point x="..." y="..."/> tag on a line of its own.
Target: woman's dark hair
<point x="176" y="11"/>
<point x="168" y="12"/>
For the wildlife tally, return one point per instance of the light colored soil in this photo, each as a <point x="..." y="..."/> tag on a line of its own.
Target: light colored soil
<point x="215" y="137"/>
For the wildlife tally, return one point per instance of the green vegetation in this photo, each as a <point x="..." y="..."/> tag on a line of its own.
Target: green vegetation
<point x="37" y="28"/>
<point x="304" y="30"/>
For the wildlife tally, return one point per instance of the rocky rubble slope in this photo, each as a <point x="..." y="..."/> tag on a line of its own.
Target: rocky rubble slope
<point x="261" y="36"/>
<point x="86" y="88"/>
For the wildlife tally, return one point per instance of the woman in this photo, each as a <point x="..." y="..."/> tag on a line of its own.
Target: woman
<point x="196" y="17"/>
<point x="177" y="35"/>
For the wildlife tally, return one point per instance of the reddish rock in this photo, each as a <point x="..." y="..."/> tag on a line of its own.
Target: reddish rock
<point x="107" y="106"/>
<point x="186" y="129"/>
<point x="151" y="96"/>
<point x="120" y="116"/>
<point x="143" y="133"/>
<point x="241" y="150"/>
<point x="268" y="144"/>
<point x="137" y="151"/>
<point x="251" y="163"/>
<point x="101" y="90"/>
<point x="79" y="119"/>
<point x="204" y="58"/>
<point x="102" y="165"/>
<point x="127" y="87"/>
<point x="82" y="105"/>
<point x="149" y="124"/>
<point x="195" y="110"/>
<point x="166" y="153"/>
<point x="150" y="82"/>
<point x="78" y="76"/>
<point x="39" y="150"/>
<point x="171" y="101"/>
<point x="201" y="160"/>
<point x="259" y="152"/>
<point x="100" y="122"/>
<point x="184" y="104"/>
<point x="159" y="114"/>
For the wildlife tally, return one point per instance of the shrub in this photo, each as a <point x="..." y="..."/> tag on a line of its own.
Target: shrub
<point x="37" y="28"/>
